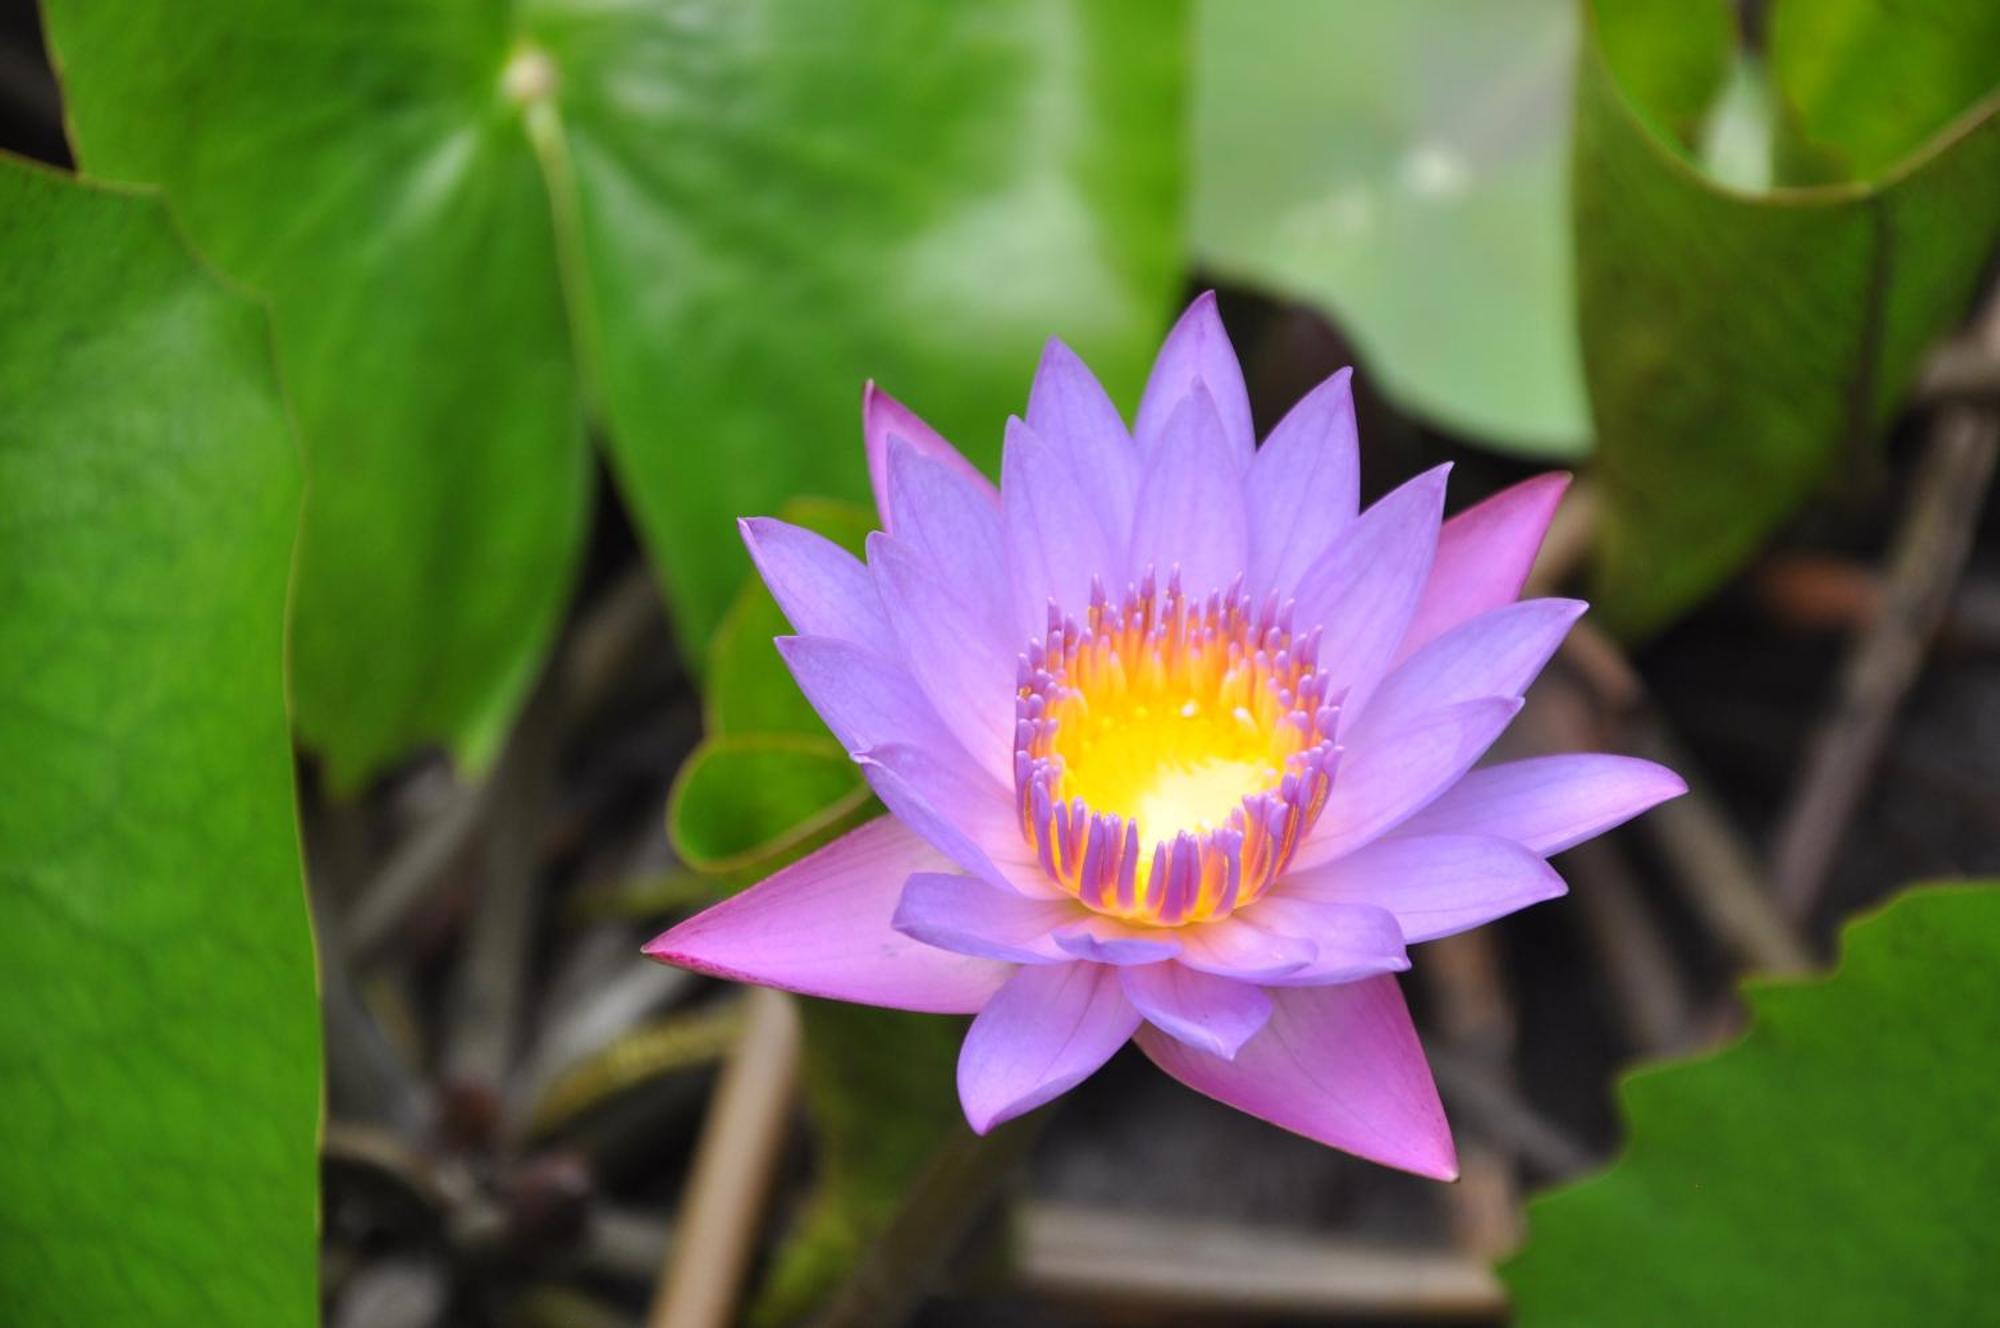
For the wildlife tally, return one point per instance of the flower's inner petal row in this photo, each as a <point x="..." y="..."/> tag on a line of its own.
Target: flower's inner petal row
<point x="1171" y="754"/>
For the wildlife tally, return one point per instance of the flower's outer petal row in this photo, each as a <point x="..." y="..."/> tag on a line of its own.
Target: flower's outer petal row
<point x="884" y="418"/>
<point x="946" y="647"/>
<point x="1399" y="772"/>
<point x="1338" y="1064"/>
<point x="821" y="927"/>
<point x="1197" y="351"/>
<point x="961" y="811"/>
<point x="1483" y="557"/>
<point x="1499" y="653"/>
<point x="1209" y="1013"/>
<point x="1045" y="1032"/>
<point x="1068" y="410"/>
<point x="1191" y="517"/>
<point x="1436" y="885"/>
<point x="823" y="589"/>
<point x="969" y="916"/>
<point x="1059" y="539"/>
<point x="953" y="522"/>
<point x="1548" y="803"/>
<point x="1304" y="487"/>
<point x="1350" y="940"/>
<point x="1363" y="589"/>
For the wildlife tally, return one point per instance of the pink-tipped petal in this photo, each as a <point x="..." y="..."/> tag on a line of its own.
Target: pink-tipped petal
<point x="1197" y="351"/>
<point x="1548" y="803"/>
<point x="1232" y="947"/>
<point x="1104" y="940"/>
<point x="1068" y="409"/>
<point x="1401" y="771"/>
<point x="1436" y="885"/>
<point x="937" y="820"/>
<point x="1304" y="486"/>
<point x="1350" y="941"/>
<point x="954" y="523"/>
<point x="951" y="648"/>
<point x="969" y="916"/>
<point x="1212" y="1014"/>
<point x="1340" y="1065"/>
<point x="1047" y="1030"/>
<point x="1484" y="555"/>
<point x="1190" y="513"/>
<point x="883" y="418"/>
<point x="822" y="927"/>
<point x="822" y="588"/>
<point x="1496" y="654"/>
<point x="1363" y="589"/>
<point x="1058" y="539"/>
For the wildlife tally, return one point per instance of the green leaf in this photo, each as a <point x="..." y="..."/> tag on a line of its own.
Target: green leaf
<point x="1743" y="347"/>
<point x="1836" y="1166"/>
<point x="1401" y="165"/>
<point x="705" y="226"/>
<point x="743" y="801"/>
<point x="159" y="1040"/>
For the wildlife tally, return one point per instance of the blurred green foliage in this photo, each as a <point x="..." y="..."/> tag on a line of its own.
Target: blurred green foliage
<point x="1836" y="1166"/>
<point x="1744" y="347"/>
<point x="485" y="229"/>
<point x="1401" y="166"/>
<point x="159" y="1040"/>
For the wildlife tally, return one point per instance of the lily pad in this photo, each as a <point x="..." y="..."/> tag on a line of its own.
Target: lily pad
<point x="159" y="1039"/>
<point x="1745" y="347"/>
<point x="1836" y="1166"/>
<point x="700" y="227"/>
<point x="1401" y="166"/>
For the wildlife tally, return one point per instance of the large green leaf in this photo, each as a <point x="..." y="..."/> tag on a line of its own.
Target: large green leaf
<point x="159" y="1038"/>
<point x="1836" y="1166"/>
<point x="1402" y="166"/>
<point x="750" y="207"/>
<point x="1740" y="346"/>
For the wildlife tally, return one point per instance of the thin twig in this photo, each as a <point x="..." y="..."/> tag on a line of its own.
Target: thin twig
<point x="1708" y="860"/>
<point x="484" y="1010"/>
<point x="1132" y="1261"/>
<point x="1926" y="559"/>
<point x="1707" y="857"/>
<point x="1475" y="1014"/>
<point x="1472" y="1091"/>
<point x="1963" y="372"/>
<point x="1815" y="591"/>
<point x="374" y="922"/>
<point x="1568" y="711"/>
<point x="735" y="1162"/>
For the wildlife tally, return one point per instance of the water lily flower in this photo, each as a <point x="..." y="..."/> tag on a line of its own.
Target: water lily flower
<point x="1176" y="746"/>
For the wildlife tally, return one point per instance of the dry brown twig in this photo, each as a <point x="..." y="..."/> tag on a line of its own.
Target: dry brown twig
<point x="735" y="1163"/>
<point x="1926" y="559"/>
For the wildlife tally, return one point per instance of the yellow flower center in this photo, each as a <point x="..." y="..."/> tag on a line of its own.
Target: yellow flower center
<point x="1171" y="754"/>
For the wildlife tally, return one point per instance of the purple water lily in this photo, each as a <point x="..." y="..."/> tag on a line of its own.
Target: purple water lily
<point x="1176" y="746"/>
